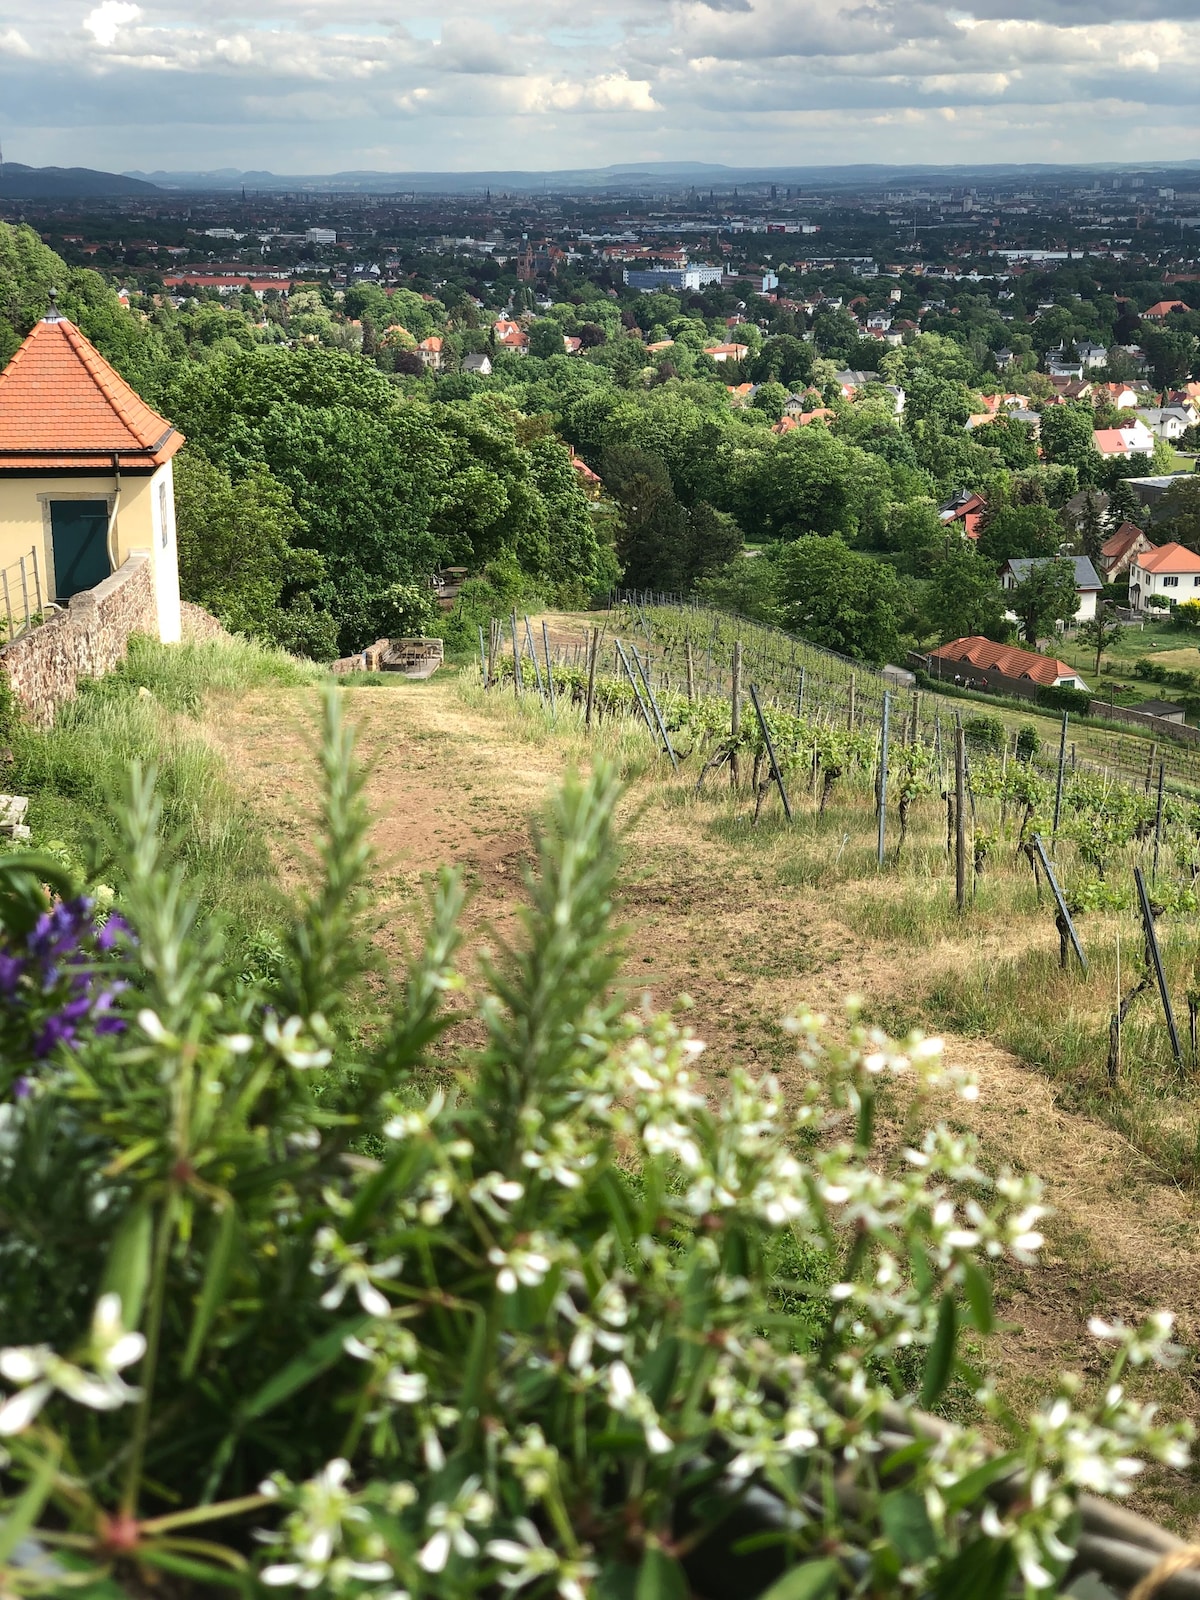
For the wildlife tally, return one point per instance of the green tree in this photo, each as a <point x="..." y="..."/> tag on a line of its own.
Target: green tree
<point x="770" y="398"/>
<point x="1178" y="513"/>
<point x="1066" y="436"/>
<point x="546" y="338"/>
<point x="651" y="540"/>
<point x="964" y="598"/>
<point x="836" y="597"/>
<point x="1046" y="596"/>
<point x="1124" y="506"/>
<point x="1013" y="441"/>
<point x="242" y="555"/>
<point x="1091" y="528"/>
<point x="1101" y="630"/>
<point x="1172" y="355"/>
<point x="1020" y="530"/>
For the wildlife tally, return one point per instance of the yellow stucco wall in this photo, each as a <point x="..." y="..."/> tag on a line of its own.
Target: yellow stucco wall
<point x="139" y="525"/>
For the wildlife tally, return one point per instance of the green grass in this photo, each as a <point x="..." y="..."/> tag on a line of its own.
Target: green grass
<point x="75" y="774"/>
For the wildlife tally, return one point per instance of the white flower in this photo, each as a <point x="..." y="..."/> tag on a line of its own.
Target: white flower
<point x="449" y="1522"/>
<point x="298" y="1049"/>
<point x="520" y="1265"/>
<point x="39" y="1371"/>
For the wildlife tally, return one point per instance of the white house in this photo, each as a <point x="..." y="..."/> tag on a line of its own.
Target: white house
<point x="1087" y="582"/>
<point x="1170" y="572"/>
<point x="1091" y="355"/>
<point x="1134" y="440"/>
<point x="1166" y="422"/>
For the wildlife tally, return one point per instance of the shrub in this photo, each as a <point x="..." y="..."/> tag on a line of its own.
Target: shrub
<point x="1029" y="742"/>
<point x="1060" y="697"/>
<point x="520" y="1325"/>
<point x="985" y="734"/>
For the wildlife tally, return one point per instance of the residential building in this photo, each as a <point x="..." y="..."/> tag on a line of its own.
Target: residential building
<point x="964" y="509"/>
<point x="982" y="664"/>
<point x="1169" y="572"/>
<point x="1135" y="440"/>
<point x="727" y="352"/>
<point x="1163" y="309"/>
<point x="689" y="275"/>
<point x="511" y="336"/>
<point x="1091" y="355"/>
<point x="1063" y="366"/>
<point x="1117" y="551"/>
<point x="431" y="352"/>
<point x="320" y="236"/>
<point x="477" y="362"/>
<point x="1087" y="582"/>
<point x="85" y="471"/>
<point x="1166" y="422"/>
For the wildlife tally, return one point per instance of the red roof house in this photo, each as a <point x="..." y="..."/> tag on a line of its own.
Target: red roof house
<point x="85" y="471"/>
<point x="1117" y="552"/>
<point x="975" y="658"/>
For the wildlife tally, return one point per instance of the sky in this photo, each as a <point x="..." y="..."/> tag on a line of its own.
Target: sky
<point x="312" y="86"/>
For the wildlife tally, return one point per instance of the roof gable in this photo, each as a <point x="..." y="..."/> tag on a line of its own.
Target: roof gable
<point x="1168" y="558"/>
<point x="1005" y="659"/>
<point x="62" y="405"/>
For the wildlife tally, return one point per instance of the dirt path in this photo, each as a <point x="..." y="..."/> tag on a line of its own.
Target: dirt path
<point x="450" y="783"/>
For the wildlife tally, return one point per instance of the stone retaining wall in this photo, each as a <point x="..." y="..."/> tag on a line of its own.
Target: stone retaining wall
<point x="1180" y="731"/>
<point x="88" y="639"/>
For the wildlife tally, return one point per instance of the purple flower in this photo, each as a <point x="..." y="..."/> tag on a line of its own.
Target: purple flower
<point x="11" y="968"/>
<point x="115" y="927"/>
<point x="22" y="1088"/>
<point x="58" y="1029"/>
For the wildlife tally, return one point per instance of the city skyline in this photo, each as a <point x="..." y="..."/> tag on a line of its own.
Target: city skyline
<point x="298" y="87"/>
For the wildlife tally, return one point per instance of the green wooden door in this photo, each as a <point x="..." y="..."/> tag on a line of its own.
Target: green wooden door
<point x="80" y="532"/>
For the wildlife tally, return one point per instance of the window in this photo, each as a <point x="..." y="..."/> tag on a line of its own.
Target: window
<point x="1170" y="583"/>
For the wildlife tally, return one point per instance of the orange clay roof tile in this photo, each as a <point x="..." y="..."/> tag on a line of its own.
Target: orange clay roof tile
<point x="62" y="405"/>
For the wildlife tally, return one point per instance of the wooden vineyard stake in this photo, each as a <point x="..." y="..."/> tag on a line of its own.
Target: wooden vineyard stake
<point x="549" y="667"/>
<point x="914" y="726"/>
<point x="1058" y="790"/>
<point x="800" y="694"/>
<point x="775" y="772"/>
<point x="658" y="717"/>
<point x="483" y="660"/>
<point x="691" y="671"/>
<point x="591" y="683"/>
<point x="1158" y="819"/>
<point x="850" y="717"/>
<point x="516" y="658"/>
<point x="883" y="773"/>
<point x="1155" y="955"/>
<point x="637" y="693"/>
<point x="735" y="712"/>
<point x="1150" y="767"/>
<point x="960" y="819"/>
<point x="1066" y="928"/>
<point x="537" y="671"/>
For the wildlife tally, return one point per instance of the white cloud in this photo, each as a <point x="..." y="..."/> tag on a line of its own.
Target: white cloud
<point x="320" y="84"/>
<point x="108" y="18"/>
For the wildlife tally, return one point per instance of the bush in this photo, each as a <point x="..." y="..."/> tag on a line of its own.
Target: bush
<point x="985" y="734"/>
<point x="1059" y="697"/>
<point x="520" y="1324"/>
<point x="1029" y="742"/>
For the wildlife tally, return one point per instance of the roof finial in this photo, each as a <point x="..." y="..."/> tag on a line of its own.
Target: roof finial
<point x="54" y="314"/>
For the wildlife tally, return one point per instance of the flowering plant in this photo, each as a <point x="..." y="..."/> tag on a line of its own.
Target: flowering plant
<point x="543" y="1317"/>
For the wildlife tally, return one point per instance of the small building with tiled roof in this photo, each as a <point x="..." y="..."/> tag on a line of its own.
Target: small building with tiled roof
<point x="980" y="662"/>
<point x="85" y="471"/>
<point x="1118" y="551"/>
<point x="1169" y="573"/>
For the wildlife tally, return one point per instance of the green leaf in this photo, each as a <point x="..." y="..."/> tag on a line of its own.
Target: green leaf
<point x="983" y="1571"/>
<point x="320" y="1355"/>
<point x="814" y="1580"/>
<point x="972" y="1485"/>
<point x="212" y="1291"/>
<point x="977" y="1285"/>
<point x="127" y="1271"/>
<point x="660" y="1577"/>
<point x="907" y="1527"/>
<point x="939" y="1363"/>
<point x="16" y="1524"/>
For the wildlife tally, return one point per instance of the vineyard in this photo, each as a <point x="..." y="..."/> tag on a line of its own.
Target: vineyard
<point x="1084" y="885"/>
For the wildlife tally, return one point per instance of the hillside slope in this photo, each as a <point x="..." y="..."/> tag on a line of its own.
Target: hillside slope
<point x="455" y="781"/>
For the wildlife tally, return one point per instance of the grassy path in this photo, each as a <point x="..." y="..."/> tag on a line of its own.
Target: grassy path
<point x="736" y="920"/>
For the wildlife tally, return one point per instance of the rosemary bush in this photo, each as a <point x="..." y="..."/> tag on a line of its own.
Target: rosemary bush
<point x="280" y="1310"/>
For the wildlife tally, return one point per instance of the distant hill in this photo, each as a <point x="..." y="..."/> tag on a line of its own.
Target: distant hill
<point x="19" y="182"/>
<point x="625" y="178"/>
